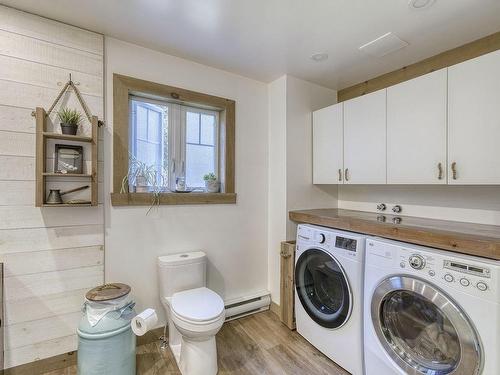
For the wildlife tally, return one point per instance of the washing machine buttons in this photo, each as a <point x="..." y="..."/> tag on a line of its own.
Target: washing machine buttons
<point x="481" y="286"/>
<point x="432" y="273"/>
<point x="449" y="278"/>
<point x="319" y="238"/>
<point x="402" y="264"/>
<point x="464" y="281"/>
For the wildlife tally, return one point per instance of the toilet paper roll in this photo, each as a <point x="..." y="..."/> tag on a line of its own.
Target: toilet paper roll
<point x="144" y="322"/>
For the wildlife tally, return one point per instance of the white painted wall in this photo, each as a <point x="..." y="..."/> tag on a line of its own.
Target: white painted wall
<point x="52" y="256"/>
<point x="302" y="98"/>
<point x="291" y="102"/>
<point x="475" y="204"/>
<point x="276" y="215"/>
<point x="233" y="236"/>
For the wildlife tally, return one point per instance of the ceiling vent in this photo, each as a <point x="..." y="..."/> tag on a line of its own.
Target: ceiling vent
<point x="383" y="45"/>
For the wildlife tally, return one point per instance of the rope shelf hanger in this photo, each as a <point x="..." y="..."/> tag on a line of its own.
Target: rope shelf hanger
<point x="71" y="84"/>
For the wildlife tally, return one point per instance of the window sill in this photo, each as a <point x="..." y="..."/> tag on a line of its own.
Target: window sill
<point x="146" y="199"/>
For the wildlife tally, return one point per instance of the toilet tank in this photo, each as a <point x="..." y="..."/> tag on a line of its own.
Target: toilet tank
<point x="182" y="271"/>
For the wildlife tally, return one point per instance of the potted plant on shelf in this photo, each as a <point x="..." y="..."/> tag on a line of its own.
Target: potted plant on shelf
<point x="211" y="183"/>
<point x="70" y="118"/>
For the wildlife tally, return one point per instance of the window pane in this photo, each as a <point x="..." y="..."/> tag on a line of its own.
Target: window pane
<point x="154" y="126"/>
<point x="200" y="160"/>
<point x="147" y="152"/>
<point x="208" y="129"/>
<point x="149" y="138"/>
<point x="142" y="122"/>
<point x="192" y="127"/>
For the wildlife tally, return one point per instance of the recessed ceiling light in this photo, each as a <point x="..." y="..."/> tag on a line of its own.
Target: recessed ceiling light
<point x="420" y="4"/>
<point x="318" y="57"/>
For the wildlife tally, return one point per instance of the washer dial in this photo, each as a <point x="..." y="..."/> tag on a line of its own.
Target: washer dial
<point x="416" y="261"/>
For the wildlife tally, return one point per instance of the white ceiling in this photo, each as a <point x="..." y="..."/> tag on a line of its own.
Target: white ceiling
<point x="264" y="39"/>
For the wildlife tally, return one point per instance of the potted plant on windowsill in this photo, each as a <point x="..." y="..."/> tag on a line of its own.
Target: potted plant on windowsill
<point x="142" y="178"/>
<point x="70" y="118"/>
<point x="211" y="183"/>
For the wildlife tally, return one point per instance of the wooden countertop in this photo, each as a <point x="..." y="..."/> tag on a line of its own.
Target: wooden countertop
<point x="473" y="239"/>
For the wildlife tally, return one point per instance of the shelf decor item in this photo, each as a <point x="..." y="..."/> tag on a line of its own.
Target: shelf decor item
<point x="68" y="159"/>
<point x="70" y="118"/>
<point x="55" y="195"/>
<point x="211" y="183"/>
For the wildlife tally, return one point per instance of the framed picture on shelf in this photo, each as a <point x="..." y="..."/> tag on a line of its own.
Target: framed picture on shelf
<point x="68" y="159"/>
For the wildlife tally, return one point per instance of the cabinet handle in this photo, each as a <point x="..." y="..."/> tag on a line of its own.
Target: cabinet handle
<point x="340" y="174"/>
<point x="440" y="169"/>
<point x="454" y="170"/>
<point x="346" y="174"/>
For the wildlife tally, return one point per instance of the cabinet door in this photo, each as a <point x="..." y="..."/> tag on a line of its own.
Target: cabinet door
<point x="416" y="130"/>
<point x="474" y="121"/>
<point x="327" y="145"/>
<point x="365" y="139"/>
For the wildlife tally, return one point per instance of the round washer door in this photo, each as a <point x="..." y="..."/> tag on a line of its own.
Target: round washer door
<point x="323" y="288"/>
<point x="423" y="330"/>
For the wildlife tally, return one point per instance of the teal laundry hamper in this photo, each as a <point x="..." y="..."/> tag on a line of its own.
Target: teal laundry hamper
<point x="107" y="348"/>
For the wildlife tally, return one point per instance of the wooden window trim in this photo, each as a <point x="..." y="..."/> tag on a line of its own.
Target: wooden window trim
<point x="123" y="87"/>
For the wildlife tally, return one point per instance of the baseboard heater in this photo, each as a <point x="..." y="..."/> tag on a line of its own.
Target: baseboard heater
<point x="241" y="307"/>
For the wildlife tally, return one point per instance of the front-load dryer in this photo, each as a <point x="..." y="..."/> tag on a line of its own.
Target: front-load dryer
<point x="329" y="293"/>
<point x="430" y="312"/>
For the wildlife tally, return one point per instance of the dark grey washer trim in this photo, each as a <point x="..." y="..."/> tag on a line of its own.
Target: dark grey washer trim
<point x="471" y="355"/>
<point x="344" y="275"/>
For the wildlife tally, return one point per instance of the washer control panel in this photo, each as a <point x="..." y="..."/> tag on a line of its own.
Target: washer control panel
<point x="468" y="274"/>
<point x="337" y="242"/>
<point x="463" y="275"/>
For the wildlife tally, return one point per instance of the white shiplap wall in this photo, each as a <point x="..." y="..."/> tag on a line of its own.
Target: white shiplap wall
<point x="51" y="255"/>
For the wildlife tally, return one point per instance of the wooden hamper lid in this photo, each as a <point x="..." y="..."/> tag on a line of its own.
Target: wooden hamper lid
<point x="108" y="292"/>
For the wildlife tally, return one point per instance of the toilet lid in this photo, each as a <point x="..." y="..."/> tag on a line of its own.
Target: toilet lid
<point x="198" y="304"/>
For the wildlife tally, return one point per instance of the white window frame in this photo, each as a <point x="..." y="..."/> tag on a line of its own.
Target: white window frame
<point x="177" y="135"/>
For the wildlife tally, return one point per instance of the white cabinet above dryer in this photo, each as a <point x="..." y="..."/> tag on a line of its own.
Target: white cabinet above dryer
<point x="474" y="121"/>
<point x="416" y="130"/>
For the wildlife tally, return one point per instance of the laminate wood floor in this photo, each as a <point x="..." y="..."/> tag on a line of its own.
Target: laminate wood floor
<point x="254" y="345"/>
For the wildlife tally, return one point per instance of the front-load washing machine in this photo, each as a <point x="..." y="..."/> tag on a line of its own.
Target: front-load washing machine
<point x="430" y="312"/>
<point x="329" y="293"/>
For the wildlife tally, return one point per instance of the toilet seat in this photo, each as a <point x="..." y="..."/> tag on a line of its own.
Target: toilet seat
<point x="197" y="306"/>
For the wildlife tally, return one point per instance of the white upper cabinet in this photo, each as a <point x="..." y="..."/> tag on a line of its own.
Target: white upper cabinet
<point x="416" y="130"/>
<point x="474" y="121"/>
<point x="327" y="145"/>
<point x="365" y="139"/>
<point x="440" y="128"/>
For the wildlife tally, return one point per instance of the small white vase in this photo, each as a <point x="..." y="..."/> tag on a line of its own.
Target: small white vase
<point x="212" y="186"/>
<point x="141" y="184"/>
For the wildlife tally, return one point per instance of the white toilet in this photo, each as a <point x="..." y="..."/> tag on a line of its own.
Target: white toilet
<point x="194" y="312"/>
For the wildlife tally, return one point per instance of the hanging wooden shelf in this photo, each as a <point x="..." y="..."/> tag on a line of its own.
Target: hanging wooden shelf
<point x="66" y="137"/>
<point x="42" y="174"/>
<point x="68" y="205"/>
<point x="51" y="174"/>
